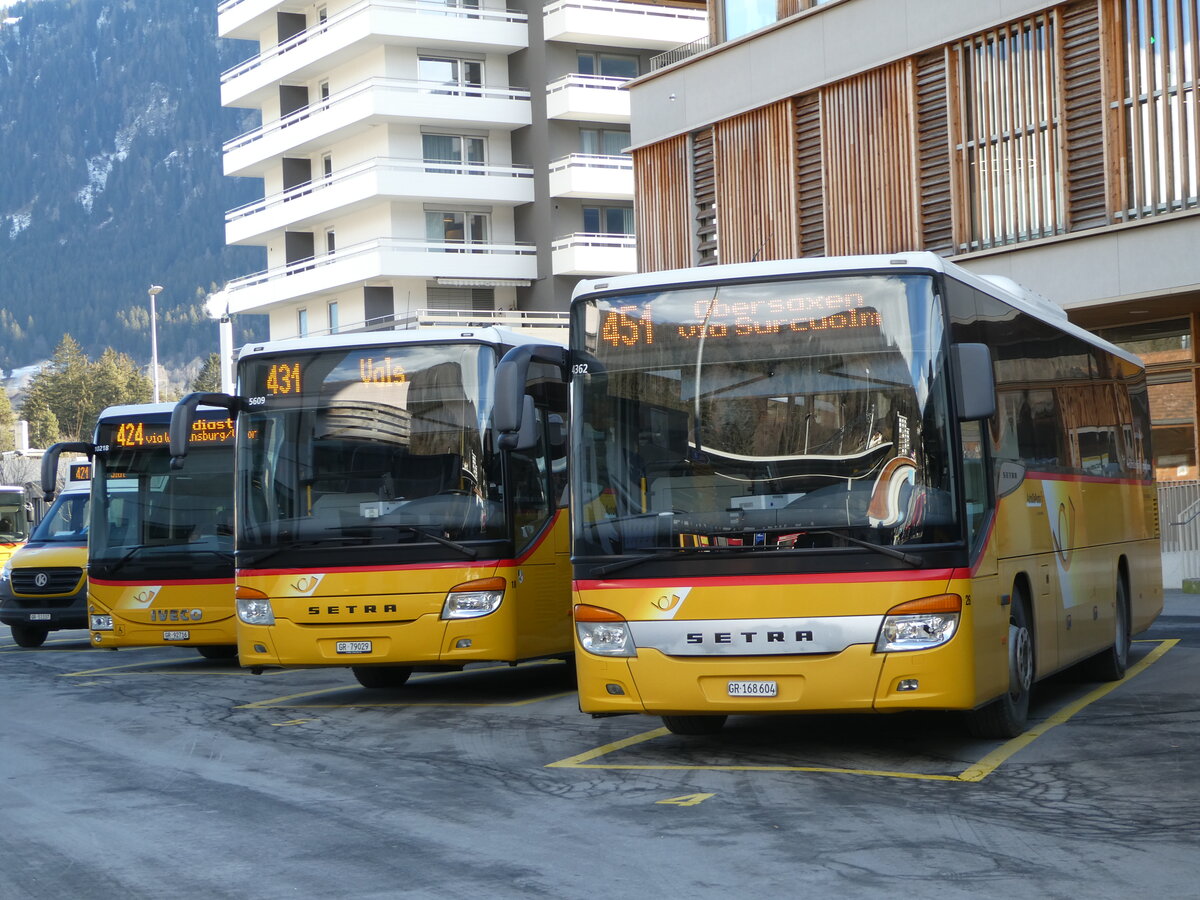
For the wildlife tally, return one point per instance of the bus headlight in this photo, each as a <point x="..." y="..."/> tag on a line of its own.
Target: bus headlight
<point x="920" y="624"/>
<point x="253" y="606"/>
<point x="100" y="623"/>
<point x="603" y="632"/>
<point x="473" y="599"/>
<point x="6" y="572"/>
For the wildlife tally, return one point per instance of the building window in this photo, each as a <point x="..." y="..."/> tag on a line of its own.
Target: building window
<point x="323" y="90"/>
<point x="1009" y="148"/>
<point x="330" y="242"/>
<point x="608" y="219"/>
<point x="302" y="323"/>
<point x="327" y="165"/>
<point x="455" y="74"/>
<point x="451" y="148"/>
<point x="1160" y="106"/>
<point x="446" y="227"/>
<point x="743" y="16"/>
<point x="603" y="141"/>
<point x="611" y="65"/>
<point x="322" y="15"/>
<point x="333" y="317"/>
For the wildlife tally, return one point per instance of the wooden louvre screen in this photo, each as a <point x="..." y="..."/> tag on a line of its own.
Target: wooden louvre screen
<point x="870" y="204"/>
<point x="753" y="161"/>
<point x="704" y="197"/>
<point x="810" y="175"/>
<point x="1083" y="116"/>
<point x="936" y="200"/>
<point x="1159" y="101"/>
<point x="661" y="205"/>
<point x="1009" y="157"/>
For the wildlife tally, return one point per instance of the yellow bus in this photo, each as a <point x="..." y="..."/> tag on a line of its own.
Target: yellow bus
<point x="855" y="484"/>
<point x="160" y="541"/>
<point x="381" y="525"/>
<point x="15" y="523"/>
<point x="43" y="587"/>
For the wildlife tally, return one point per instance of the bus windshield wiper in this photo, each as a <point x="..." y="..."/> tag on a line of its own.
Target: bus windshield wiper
<point x="916" y="562"/>
<point x="468" y="552"/>
<point x="113" y="568"/>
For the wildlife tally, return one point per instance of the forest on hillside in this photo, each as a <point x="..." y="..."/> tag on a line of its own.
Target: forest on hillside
<point x="111" y="131"/>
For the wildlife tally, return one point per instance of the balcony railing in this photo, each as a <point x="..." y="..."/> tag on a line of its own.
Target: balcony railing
<point x="426" y="249"/>
<point x="662" y="60"/>
<point x="592" y="161"/>
<point x="650" y="15"/>
<point x="364" y="8"/>
<point x="455" y="318"/>
<point x="587" y="82"/>
<point x="400" y="85"/>
<point x="586" y="239"/>
<point x="379" y="165"/>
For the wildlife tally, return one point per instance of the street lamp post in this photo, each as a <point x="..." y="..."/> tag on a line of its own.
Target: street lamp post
<point x="154" y="291"/>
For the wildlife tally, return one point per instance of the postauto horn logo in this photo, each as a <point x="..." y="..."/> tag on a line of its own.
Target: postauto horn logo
<point x="306" y="584"/>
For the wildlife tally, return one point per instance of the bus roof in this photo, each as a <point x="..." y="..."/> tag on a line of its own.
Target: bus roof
<point x="1005" y="289"/>
<point x="489" y="334"/>
<point x="145" y="410"/>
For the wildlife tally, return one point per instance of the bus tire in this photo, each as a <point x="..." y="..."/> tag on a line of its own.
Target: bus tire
<point x="694" y="725"/>
<point x="29" y="635"/>
<point x="218" y="651"/>
<point x="1006" y="717"/>
<point x="1110" y="664"/>
<point x="381" y="676"/>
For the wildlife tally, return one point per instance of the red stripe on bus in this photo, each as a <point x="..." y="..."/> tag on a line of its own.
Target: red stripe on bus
<point x="738" y="581"/>
<point x="165" y="581"/>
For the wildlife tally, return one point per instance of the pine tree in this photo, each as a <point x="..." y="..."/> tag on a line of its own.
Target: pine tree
<point x="209" y="376"/>
<point x="8" y="420"/>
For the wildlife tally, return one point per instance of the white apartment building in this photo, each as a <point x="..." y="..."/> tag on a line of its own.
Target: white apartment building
<point x="423" y="155"/>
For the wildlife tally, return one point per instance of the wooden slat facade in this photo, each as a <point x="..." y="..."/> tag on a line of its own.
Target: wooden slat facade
<point x="753" y="161"/>
<point x="869" y="152"/>
<point x="934" y="170"/>
<point x="810" y="175"/>
<point x="1078" y="117"/>
<point x="660" y="179"/>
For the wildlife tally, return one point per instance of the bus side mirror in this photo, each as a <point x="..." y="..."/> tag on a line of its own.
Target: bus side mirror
<point x="50" y="463"/>
<point x="184" y="415"/>
<point x="526" y="436"/>
<point x="974" y="382"/>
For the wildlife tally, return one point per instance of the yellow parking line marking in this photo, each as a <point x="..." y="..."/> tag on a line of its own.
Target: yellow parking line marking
<point x="974" y="773"/>
<point x="170" y="663"/>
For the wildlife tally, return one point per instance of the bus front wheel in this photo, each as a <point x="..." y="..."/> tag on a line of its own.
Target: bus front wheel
<point x="1006" y="716"/>
<point x="381" y="676"/>
<point x="694" y="725"/>
<point x="29" y="635"/>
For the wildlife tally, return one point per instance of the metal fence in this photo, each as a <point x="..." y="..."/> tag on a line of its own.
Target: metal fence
<point x="1179" y="522"/>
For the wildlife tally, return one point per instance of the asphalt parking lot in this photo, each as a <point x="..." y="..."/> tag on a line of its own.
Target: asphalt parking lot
<point x="154" y="773"/>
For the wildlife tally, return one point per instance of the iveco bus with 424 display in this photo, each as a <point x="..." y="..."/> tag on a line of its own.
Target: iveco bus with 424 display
<point x="160" y="543"/>
<point x="860" y="484"/>
<point x="381" y="524"/>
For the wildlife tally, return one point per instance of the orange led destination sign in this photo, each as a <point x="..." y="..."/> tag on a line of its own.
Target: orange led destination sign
<point x="134" y="435"/>
<point x="80" y="472"/>
<point x="633" y="325"/>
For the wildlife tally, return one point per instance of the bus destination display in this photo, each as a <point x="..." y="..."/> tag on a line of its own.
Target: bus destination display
<point x="134" y="435"/>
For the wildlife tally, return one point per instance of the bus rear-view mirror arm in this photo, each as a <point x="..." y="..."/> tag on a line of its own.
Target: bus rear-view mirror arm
<point x="974" y="382"/>
<point x="184" y="415"/>
<point x="50" y="463"/>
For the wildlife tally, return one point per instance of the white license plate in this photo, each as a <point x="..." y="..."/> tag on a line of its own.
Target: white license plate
<point x="39" y="617"/>
<point x="353" y="647"/>
<point x="753" y="688"/>
<point x="176" y="635"/>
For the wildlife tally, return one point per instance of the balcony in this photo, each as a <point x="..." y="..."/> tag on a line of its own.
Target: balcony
<point x="375" y="101"/>
<point x="594" y="254"/>
<point x="612" y="24"/>
<point x="588" y="98"/>
<point x="245" y="19"/>
<point x="377" y="180"/>
<point x="381" y="259"/>
<point x="592" y="177"/>
<point x="363" y="27"/>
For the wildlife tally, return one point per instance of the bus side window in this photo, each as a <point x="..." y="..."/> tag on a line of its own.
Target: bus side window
<point x="975" y="497"/>
<point x="529" y="476"/>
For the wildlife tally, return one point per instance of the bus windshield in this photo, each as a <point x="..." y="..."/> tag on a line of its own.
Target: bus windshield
<point x="147" y="516"/>
<point x="385" y="446"/>
<point x="66" y="523"/>
<point x="768" y="416"/>
<point x="13" y="525"/>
